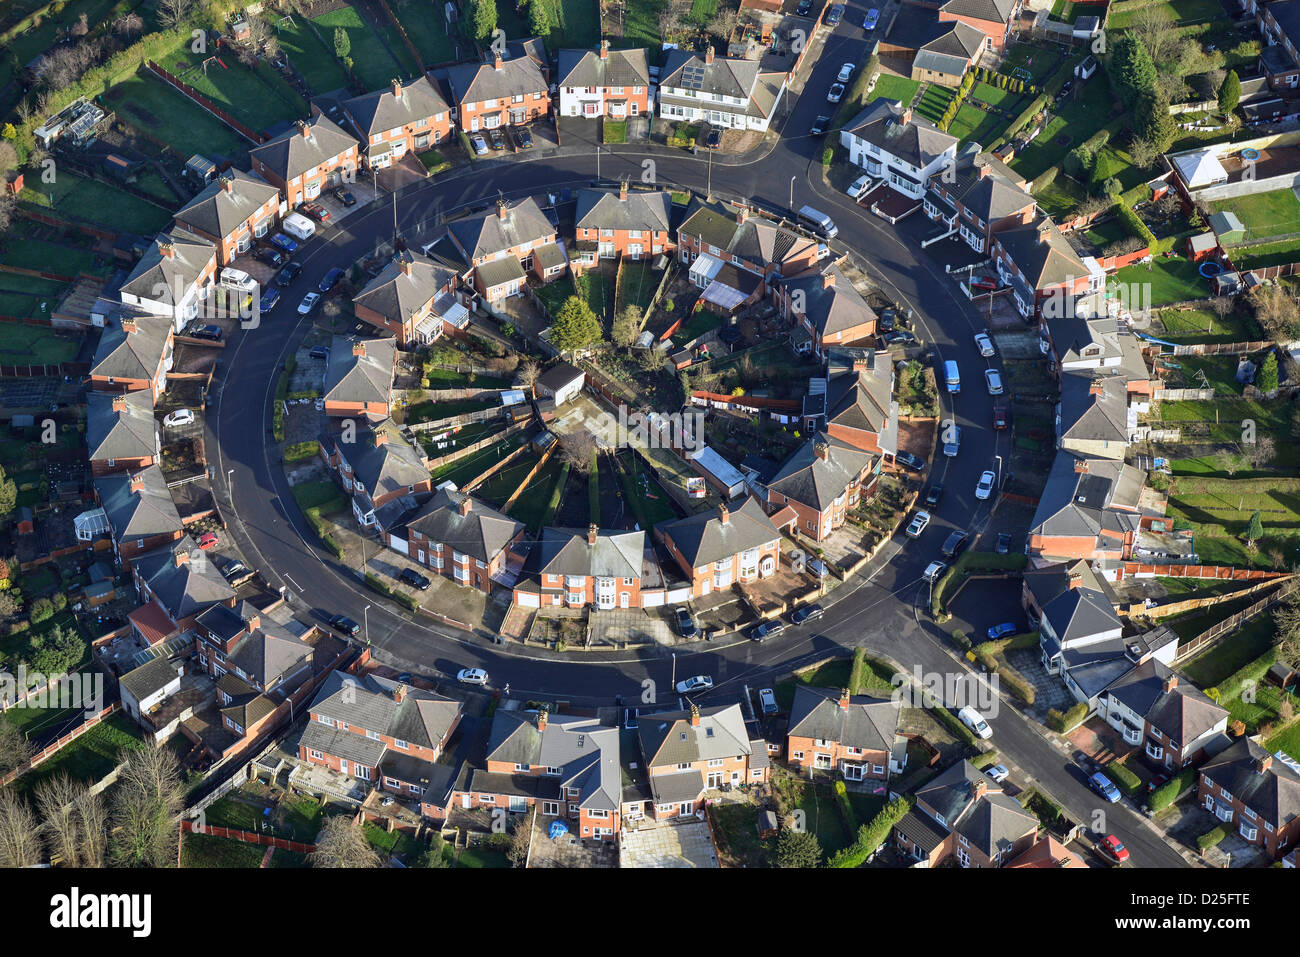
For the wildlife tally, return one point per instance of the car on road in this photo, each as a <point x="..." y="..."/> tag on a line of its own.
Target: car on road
<point x="697" y="683"/>
<point x="835" y="14"/>
<point x="998" y="773"/>
<point x="331" y="279"/>
<point x="915" y="527"/>
<point x="308" y="303"/>
<point x="993" y="380"/>
<point x="288" y="274"/>
<point x="272" y="257"/>
<point x="804" y="8"/>
<point x="806" y="613"/>
<point x="497" y="139"/>
<point x="281" y="241"/>
<point x="270" y="299"/>
<point x="1003" y="546"/>
<point x="934" y="494"/>
<point x="767" y="700"/>
<point x="523" y="139"/>
<point x="836" y="93"/>
<point x="845" y="74"/>
<point x="975" y="721"/>
<point x="344" y="624"/>
<point x="984" y="343"/>
<point x="234" y="570"/>
<point x="345" y="197"/>
<point x="766" y="629"/>
<point x="174" y="420"/>
<point x="1001" y="416"/>
<point x="472" y="676"/>
<point x="955" y="544"/>
<point x="1104" y="786"/>
<point x="871" y="19"/>
<point x="208" y="540"/>
<point x="316" y="211"/>
<point x="685" y="624"/>
<point x="1112" y="849"/>
<point x="899" y="337"/>
<point x="819" y="126"/>
<point x="409" y="576"/>
<point x="952" y="443"/>
<point x="910" y="460"/>
<point x="480" y="145"/>
<point x="933" y="571"/>
<point x="1001" y="631"/>
<point x="858" y="188"/>
<point x="985" y="487"/>
<point x="713" y="139"/>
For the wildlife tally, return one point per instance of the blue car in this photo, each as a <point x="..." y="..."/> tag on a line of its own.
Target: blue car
<point x="1001" y="631"/>
<point x="269" y="300"/>
<point x="330" y="279"/>
<point x="281" y="241"/>
<point x="1103" y="786"/>
<point x="873" y="17"/>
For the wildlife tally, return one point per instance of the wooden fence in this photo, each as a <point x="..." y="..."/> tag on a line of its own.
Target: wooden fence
<point x="492" y="470"/>
<point x="1182" y="395"/>
<point x="1219" y="348"/>
<point x="470" y="449"/>
<point x="247" y="837"/>
<point x="1182" y="606"/>
<point x="452" y="421"/>
<point x="1216" y="572"/>
<point x="56" y="745"/>
<point x="1216" y="633"/>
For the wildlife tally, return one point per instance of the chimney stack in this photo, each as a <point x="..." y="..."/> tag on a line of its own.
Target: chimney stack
<point x="359" y="350"/>
<point x="979" y="788"/>
<point x="708" y="55"/>
<point x="399" y="693"/>
<point x="465" y="505"/>
<point x="724" y="514"/>
<point x="130" y="326"/>
<point x="407" y="265"/>
<point x="742" y="215"/>
<point x="502" y="209"/>
<point x="695" y="716"/>
<point x="541" y="720"/>
<point x="906" y="117"/>
<point x="167" y="249"/>
<point x="604" y="49"/>
<point x="622" y="191"/>
<point x="119" y="403"/>
<point x="592" y="531"/>
<point x="397" y="86"/>
<point x="1170" y="683"/>
<point x="828" y="279"/>
<point x="496" y="61"/>
<point x="844" y="699"/>
<point x="1075" y="580"/>
<point x="1263" y="763"/>
<point x="380" y="437"/>
<point x="1081" y="466"/>
<point x="228" y="183"/>
<point x="181" y="556"/>
<point x="137" y="483"/>
<point x="1095" y="387"/>
<point x="822" y="451"/>
<point x="304" y="128"/>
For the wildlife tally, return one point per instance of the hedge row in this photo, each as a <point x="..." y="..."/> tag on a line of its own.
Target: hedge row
<point x="872" y="835"/>
<point x="1211" y="838"/>
<point x="1128" y="782"/>
<point x="314" y="520"/>
<point x="846" y="808"/>
<point x="300" y="451"/>
<point x="1133" y="223"/>
<point x="1063" y="721"/>
<point x="381" y="586"/>
<point x="1231" y="686"/>
<point x="1168" y="792"/>
<point x="1023" y="120"/>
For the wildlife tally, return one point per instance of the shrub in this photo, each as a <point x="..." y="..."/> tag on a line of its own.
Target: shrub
<point x="872" y="835"/>
<point x="1211" y="838"/>
<point x="984" y="759"/>
<point x="960" y="640"/>
<point x="1168" y="792"/>
<point x="1063" y="721"/>
<point x="331" y="546"/>
<point x="41" y="610"/>
<point x="1017" y="684"/>
<point x="1134" y="224"/>
<point x="1128" y="782"/>
<point x="798" y="849"/>
<point x="300" y="451"/>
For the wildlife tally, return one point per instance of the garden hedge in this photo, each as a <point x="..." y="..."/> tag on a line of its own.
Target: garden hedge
<point x="1128" y="782"/>
<point x="1211" y="838"/>
<point x="872" y="835"/>
<point x="1168" y="792"/>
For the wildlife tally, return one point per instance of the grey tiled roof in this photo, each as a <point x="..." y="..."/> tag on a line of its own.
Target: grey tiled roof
<point x="482" y="533"/>
<point x="725" y="76"/>
<point x="158" y="277"/>
<point x="668" y="739"/>
<point x="386" y="467"/>
<point x="422" y="717"/>
<point x="1273" y="794"/>
<point x="862" y="399"/>
<point x="134" y="355"/>
<point x="1183" y="713"/>
<point x="1042" y="253"/>
<point x="131" y="433"/>
<point x="490" y="232"/>
<point x="808" y="479"/>
<point x="834" y="308"/>
<point x="616" y="554"/>
<point x="186" y="588"/>
<point x="398" y="294"/>
<point x="757" y="241"/>
<point x="626" y="68"/>
<point x="367" y="378"/>
<point x="269" y="654"/>
<point x="154" y="675"/>
<point x="993" y="11"/>
<point x="704" y="537"/>
<point x="603" y="209"/>
<point x="952" y="51"/>
<point x="1089" y="417"/>
<point x="218" y="211"/>
<point x="982" y="188"/>
<point x="356" y="748"/>
<point x="869" y="723"/>
<point x="916" y="141"/>
<point x="383" y="110"/>
<point x="292" y="153"/>
<point x="475" y="82"/>
<point x="992" y="822"/>
<point x="141" y="514"/>
<point x="585" y="752"/>
<point x="1077" y="504"/>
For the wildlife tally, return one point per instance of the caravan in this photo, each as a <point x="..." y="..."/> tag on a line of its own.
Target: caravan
<point x="299" y="227"/>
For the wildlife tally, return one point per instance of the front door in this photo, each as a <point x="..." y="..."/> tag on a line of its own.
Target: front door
<point x="420" y="556"/>
<point x="343" y="765"/>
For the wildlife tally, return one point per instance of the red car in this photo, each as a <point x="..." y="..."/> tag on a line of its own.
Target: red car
<point x="316" y="211"/>
<point x="1112" y="849"/>
<point x="208" y="540"/>
<point x="987" y="284"/>
<point x="1001" y="417"/>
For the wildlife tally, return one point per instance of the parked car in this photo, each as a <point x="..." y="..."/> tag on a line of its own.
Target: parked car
<point x="713" y="139"/>
<point x="954" y="544"/>
<point x="178" y="418"/>
<point x="1001" y="416"/>
<point x="345" y="197"/>
<point x="819" y="126"/>
<point x="984" y="343"/>
<point x="871" y="19"/>
<point x="1104" y="786"/>
<point x="288" y="274"/>
<point x="208" y="540"/>
<point x="308" y="303"/>
<point x="270" y="299"/>
<point x="697" y="683"/>
<point x="934" y="571"/>
<point x="210" y="332"/>
<point x="685" y="624"/>
<point x="1003" y="546"/>
<point x="331" y="279"/>
<point x="344" y="624"/>
<point x="934" y="494"/>
<point x="836" y="93"/>
<point x="858" y="187"/>
<point x="987" y="285"/>
<point x="918" y="524"/>
<point x="950" y="448"/>
<point x="409" y="576"/>
<point x="910" y="460"/>
<point x="480" y="145"/>
<point x="316" y="211"/>
<point x="270" y="256"/>
<point x="899" y="337"/>
<point x="975" y="721"/>
<point x="472" y="676"/>
<point x="497" y="139"/>
<point x="234" y="570"/>
<point x="767" y="700"/>
<point x="523" y="138"/>
<point x="835" y="14"/>
<point x="887" y="321"/>
<point x="630" y="719"/>
<point x="985" y="487"/>
<point x="320" y="352"/>
<point x="1112" y="849"/>
<point x="766" y="630"/>
<point x="993" y="380"/>
<point x="281" y="241"/>
<point x="998" y="773"/>
<point x="1001" y="631"/>
<point x="804" y="8"/>
<point x="1157" y="779"/>
<point x="806" y="613"/>
<point x="846" y="73"/>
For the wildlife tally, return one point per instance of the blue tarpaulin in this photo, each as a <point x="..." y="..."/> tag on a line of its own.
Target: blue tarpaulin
<point x="557" y="829"/>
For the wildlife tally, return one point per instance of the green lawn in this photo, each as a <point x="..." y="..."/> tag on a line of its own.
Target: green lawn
<point x="891" y="87"/>
<point x="322" y="495"/>
<point x="33" y="345"/>
<point x="641" y="27"/>
<point x="1205" y="325"/>
<point x="427" y="32"/>
<point x="1177" y="11"/>
<point x="1280" y="253"/>
<point x="462" y="470"/>
<point x="204" y="850"/>
<point x="1039" y="61"/>
<point x="56" y="257"/>
<point x="646" y="495"/>
<point x="973" y="124"/>
<point x="1211" y="504"/>
<point x="1249" y="642"/>
<point x="433" y="411"/>
<point x="934" y="100"/>
<point x="39" y="37"/>
<point x="152" y="106"/>
<point x="1287" y="740"/>
<point x="1075" y="122"/>
<point x="637" y="284"/>
<point x="87" y="199"/>
<point x="696" y="326"/>
<point x="311" y="58"/>
<point x="1168" y="281"/>
<point x="371" y="62"/>
<point x="1275" y="213"/>
<point x="1060" y="196"/>
<point x="482" y="857"/>
<point x="240" y="91"/>
<point x="89" y="757"/>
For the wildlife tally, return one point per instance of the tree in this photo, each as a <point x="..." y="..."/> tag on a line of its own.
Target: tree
<point x="14" y="747"/>
<point x="147" y="805"/>
<point x="172" y="13"/>
<point x="522" y="835"/>
<point x="56" y="803"/>
<point x="1275" y="311"/>
<point x="483" y="18"/>
<point x="576" y="326"/>
<point x="579" y="449"/>
<point x="798" y="849"/>
<point x="342" y="43"/>
<point x="1153" y="122"/>
<point x="20" y="844"/>
<point x="1158" y="33"/>
<point x="342" y="843"/>
<point x="1287" y="618"/>
<point x="1254" y="530"/>
<point x="1266" y="377"/>
<point x="529" y="372"/>
<point x="1230" y="92"/>
<point x="1133" y="72"/>
<point x="1260" y="452"/>
<point x="539" y="18"/>
<point x="128" y="25"/>
<point x="626" y="327"/>
<point x="1111" y="187"/>
<point x="1143" y="152"/>
<point x="1079" y="160"/>
<point x="92" y="821"/>
<point x="1209" y="82"/>
<point x="8" y="490"/>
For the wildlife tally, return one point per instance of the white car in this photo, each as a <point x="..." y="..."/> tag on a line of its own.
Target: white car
<point x="985" y="344"/>
<point x="859" y="186"/>
<point x="975" y="721"/>
<point x="767" y="699"/>
<point x="308" y="303"/>
<point x="836" y="93"/>
<point x="919" y="521"/>
<point x="846" y="73"/>
<point x="933" y="571"/>
<point x="993" y="379"/>
<point x="178" y="418"/>
<point x="698" y="683"/>
<point x="998" y="773"/>
<point x="985" y="487"/>
<point x="472" y="676"/>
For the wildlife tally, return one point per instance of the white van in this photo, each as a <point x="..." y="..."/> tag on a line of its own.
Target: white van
<point x="818" y="221"/>
<point x="975" y="721"/>
<point x="299" y="227"/>
<point x="951" y="377"/>
<point x="236" y="278"/>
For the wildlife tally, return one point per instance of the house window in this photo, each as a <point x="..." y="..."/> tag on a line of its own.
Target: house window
<point x="372" y="735"/>
<point x="554" y="772"/>
<point x="314" y="754"/>
<point x="392" y="782"/>
<point x="551" y="808"/>
<point x="521" y="767"/>
<point x="363" y="772"/>
<point x="399" y="743"/>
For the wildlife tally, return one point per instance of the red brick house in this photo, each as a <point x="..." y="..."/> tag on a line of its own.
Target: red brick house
<point x="820" y="482"/>
<point x="979" y="198"/>
<point x="467" y="541"/>
<point x="232" y="212"/>
<point x="855" y="735"/>
<point x="399" y="119"/>
<point x="378" y="467"/>
<point x="854" y="403"/>
<point x="1279" y="25"/>
<point x="964" y="814"/>
<point x="1039" y="264"/>
<point x="181" y="581"/>
<point x="260" y="652"/>
<point x="414" y="298"/>
<point x="829" y="308"/>
<point x="993" y="18"/>
<point x="572" y="568"/>
<point x="686" y="753"/>
<point x="141" y="514"/>
<point x="359" y="377"/>
<point x="717" y="549"/>
<point x="121" y="432"/>
<point x="1249" y="789"/>
<point x="609" y="224"/>
<point x="504" y="244"/>
<point x="735" y="236"/>
<point x="507" y="91"/>
<point x="612" y="83"/>
<point x="134" y="355"/>
<point x="302" y="162"/>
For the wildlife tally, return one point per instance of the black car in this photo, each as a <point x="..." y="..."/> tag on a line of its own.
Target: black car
<point x="887" y="319"/>
<point x="345" y="624"/>
<point x="685" y="624"/>
<point x="806" y="613"/>
<point x="936" y="492"/>
<point x="713" y="139"/>
<point x="524" y="139"/>
<point x="409" y="576"/>
<point x="331" y="279"/>
<point x="1004" y="543"/>
<point x="345" y="197"/>
<point x="910" y="460"/>
<point x="404" y="676"/>
<point x="766" y="630"/>
<point x="271" y="256"/>
<point x="804" y="8"/>
<point x="899" y="337"/>
<point x="819" y="126"/>
<point x="835" y="14"/>
<point x="210" y="332"/>
<point x="288" y="274"/>
<point x="955" y="545"/>
<point x="497" y="139"/>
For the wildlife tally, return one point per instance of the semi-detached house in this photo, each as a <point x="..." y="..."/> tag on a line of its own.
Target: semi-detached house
<point x="379" y="467"/>
<point x="415" y="299"/>
<point x="733" y="236"/>
<point x="718" y="549"/>
<point x="399" y="119"/>
<point x="507" y="91"/>
<point x="134" y="354"/>
<point x="503" y="244"/>
<point x="1172" y="723"/>
<point x="721" y="91"/>
<point x="232" y="213"/>
<point x="612" y="83"/>
<point x="140" y="511"/>
<point x="303" y="162"/>
<point x="819" y="483"/>
<point x="462" y="539"/>
<point x="963" y="814"/>
<point x="892" y="144"/>
<point x="979" y="197"/>
<point x="575" y="568"/>
<point x="173" y="277"/>
<point x="685" y="753"/>
<point x="856" y="735"/>
<point x="359" y="377"/>
<point x="829" y="308"/>
<point x="1254" y="792"/>
<point x="121" y="432"/>
<point x="854" y="402"/>
<point x="610" y="224"/>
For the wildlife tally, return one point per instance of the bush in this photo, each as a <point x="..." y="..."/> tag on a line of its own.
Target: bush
<point x="1017" y="684"/>
<point x="1128" y="782"/>
<point x="331" y="546"/>
<point x="798" y="849"/>
<point x="1063" y="721"/>
<point x="1211" y="838"/>
<point x="301" y="451"/>
<point x="1133" y="223"/>
<point x="872" y="835"/>
<point x="1168" y="792"/>
<point x="41" y="610"/>
<point x="984" y="759"/>
<point x="960" y="640"/>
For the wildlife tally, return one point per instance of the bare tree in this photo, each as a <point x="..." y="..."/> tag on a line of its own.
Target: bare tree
<point x="579" y="450"/>
<point x="92" y="819"/>
<point x="172" y="13"/>
<point x="521" y="837"/>
<point x="1222" y="306"/>
<point x="1287" y="618"/>
<point x="1208" y="83"/>
<point x="1276" y="312"/>
<point x="342" y="843"/>
<point x="20" y="844"/>
<point x="147" y="808"/>
<point x="1157" y="32"/>
<point x="14" y="747"/>
<point x="724" y="23"/>
<point x="1143" y="152"/>
<point x="529" y="372"/>
<point x="56" y="803"/>
<point x="128" y="26"/>
<point x="80" y="28"/>
<point x="626" y="327"/>
<point x="1260" y="452"/>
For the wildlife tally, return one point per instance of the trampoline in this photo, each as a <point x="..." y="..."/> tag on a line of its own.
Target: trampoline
<point x="1209" y="270"/>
